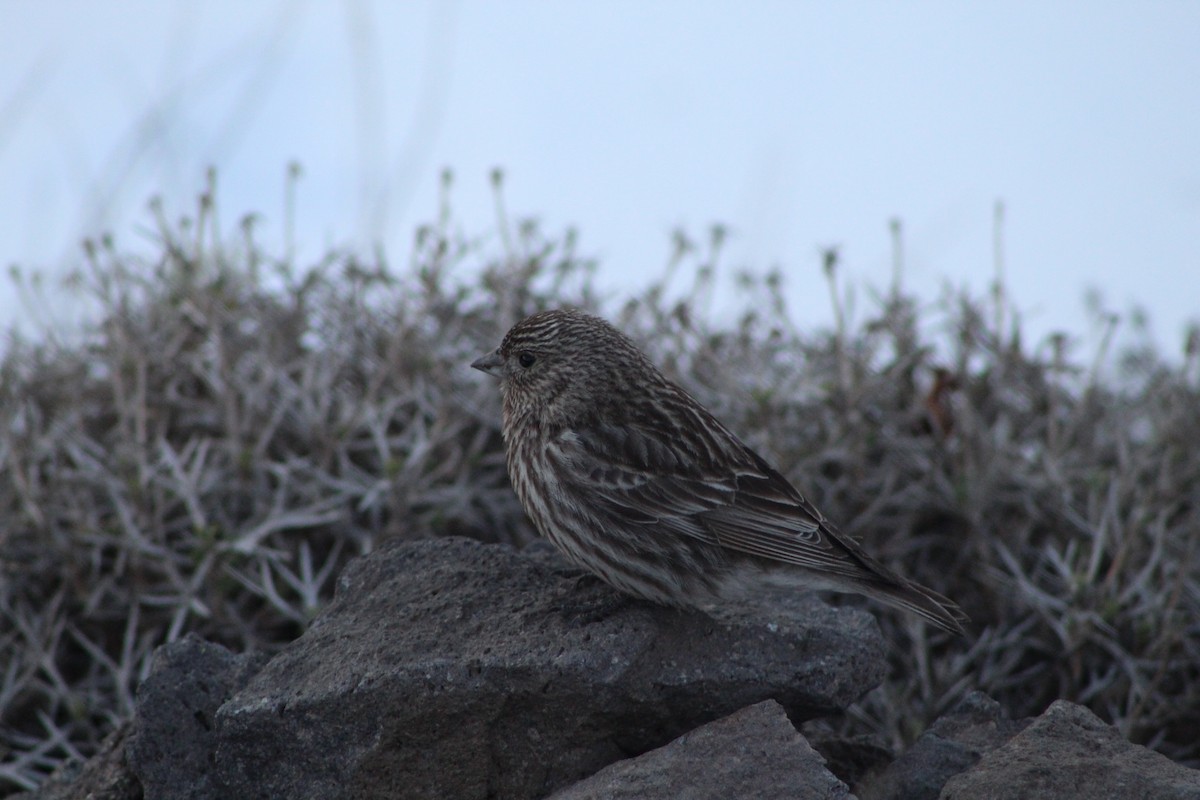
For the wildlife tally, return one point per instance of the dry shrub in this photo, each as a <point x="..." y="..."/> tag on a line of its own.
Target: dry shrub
<point x="234" y="429"/>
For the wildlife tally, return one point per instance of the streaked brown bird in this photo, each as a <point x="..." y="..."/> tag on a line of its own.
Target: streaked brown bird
<point x="634" y="480"/>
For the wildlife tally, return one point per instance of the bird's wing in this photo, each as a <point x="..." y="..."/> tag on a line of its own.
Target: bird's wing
<point x="718" y="491"/>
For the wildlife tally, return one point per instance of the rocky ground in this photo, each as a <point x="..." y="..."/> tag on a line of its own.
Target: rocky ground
<point x="449" y="668"/>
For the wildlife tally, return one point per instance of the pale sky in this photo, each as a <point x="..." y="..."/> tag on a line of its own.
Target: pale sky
<point x="797" y="125"/>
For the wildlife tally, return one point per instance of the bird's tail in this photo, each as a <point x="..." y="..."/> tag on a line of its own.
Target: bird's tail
<point x="926" y="603"/>
<point x="879" y="584"/>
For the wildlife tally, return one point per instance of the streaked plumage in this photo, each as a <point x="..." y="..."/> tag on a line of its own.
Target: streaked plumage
<point x="635" y="481"/>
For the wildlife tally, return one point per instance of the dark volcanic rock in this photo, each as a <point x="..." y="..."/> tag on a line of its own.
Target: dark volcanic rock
<point x="753" y="753"/>
<point x="172" y="745"/>
<point x="1070" y="754"/>
<point x="954" y="743"/>
<point x="447" y="668"/>
<point x="850" y="758"/>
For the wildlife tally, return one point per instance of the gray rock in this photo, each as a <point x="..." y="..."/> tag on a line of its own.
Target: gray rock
<point x="753" y="753"/>
<point x="172" y="744"/>
<point x="447" y="668"/>
<point x="852" y="758"/>
<point x="954" y="743"/>
<point x="1070" y="754"/>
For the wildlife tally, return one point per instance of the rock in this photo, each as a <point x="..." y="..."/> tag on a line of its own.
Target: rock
<point x="172" y="745"/>
<point x="753" y="753"/>
<point x="1069" y="754"/>
<point x="850" y="757"/>
<point x="954" y="743"/>
<point x="448" y="668"/>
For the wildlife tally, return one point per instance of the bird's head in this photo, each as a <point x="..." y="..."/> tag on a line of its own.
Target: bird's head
<point x="553" y="361"/>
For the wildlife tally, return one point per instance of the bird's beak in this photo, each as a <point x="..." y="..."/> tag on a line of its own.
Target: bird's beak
<point x="490" y="363"/>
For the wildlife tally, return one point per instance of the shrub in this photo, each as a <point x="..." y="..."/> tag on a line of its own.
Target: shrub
<point x="233" y="429"/>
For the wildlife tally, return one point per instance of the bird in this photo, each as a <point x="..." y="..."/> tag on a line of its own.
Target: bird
<point x="632" y="479"/>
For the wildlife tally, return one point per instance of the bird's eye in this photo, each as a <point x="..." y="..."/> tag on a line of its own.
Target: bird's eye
<point x="526" y="359"/>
